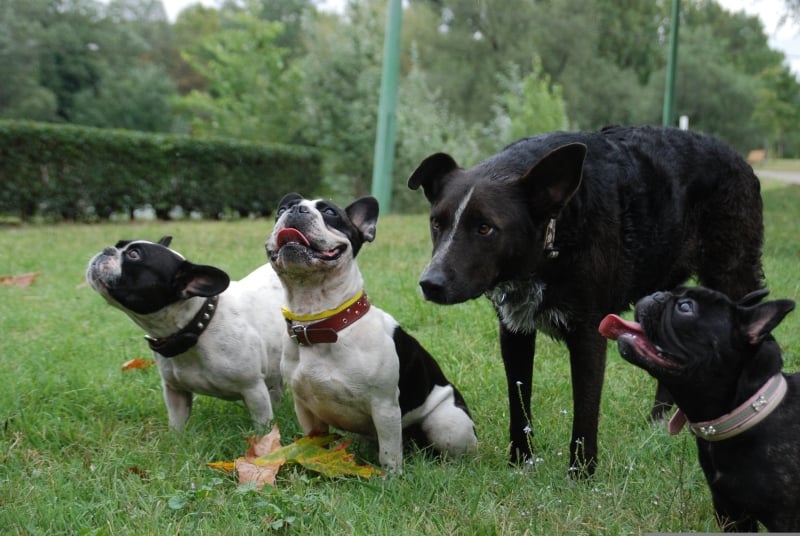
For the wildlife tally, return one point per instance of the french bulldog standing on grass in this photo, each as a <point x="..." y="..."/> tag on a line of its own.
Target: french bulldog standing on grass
<point x="723" y="367"/>
<point x="348" y="363"/>
<point x="209" y="335"/>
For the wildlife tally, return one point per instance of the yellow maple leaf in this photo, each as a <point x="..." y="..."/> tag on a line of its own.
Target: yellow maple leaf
<point x="265" y="457"/>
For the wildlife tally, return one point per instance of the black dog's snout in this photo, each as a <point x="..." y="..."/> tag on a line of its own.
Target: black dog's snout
<point x="659" y="297"/>
<point x="433" y="286"/>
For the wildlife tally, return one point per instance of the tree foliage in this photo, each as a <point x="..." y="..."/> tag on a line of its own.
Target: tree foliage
<point x="474" y="75"/>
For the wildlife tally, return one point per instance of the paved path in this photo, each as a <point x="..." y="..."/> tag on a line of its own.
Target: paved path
<point x="788" y="176"/>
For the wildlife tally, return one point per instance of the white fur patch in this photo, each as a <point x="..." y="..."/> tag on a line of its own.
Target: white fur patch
<point x="518" y="304"/>
<point x="441" y="251"/>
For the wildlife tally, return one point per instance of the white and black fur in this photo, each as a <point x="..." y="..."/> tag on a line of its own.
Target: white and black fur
<point x="236" y="357"/>
<point x="376" y="379"/>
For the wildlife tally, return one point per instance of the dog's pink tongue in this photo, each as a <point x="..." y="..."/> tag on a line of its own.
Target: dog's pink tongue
<point x="291" y="234"/>
<point x="612" y="326"/>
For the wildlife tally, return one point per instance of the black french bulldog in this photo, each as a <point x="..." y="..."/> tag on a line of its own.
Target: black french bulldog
<point x="723" y="367"/>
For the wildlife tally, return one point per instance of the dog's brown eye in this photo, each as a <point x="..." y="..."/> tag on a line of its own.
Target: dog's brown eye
<point x="435" y="224"/>
<point x="485" y="229"/>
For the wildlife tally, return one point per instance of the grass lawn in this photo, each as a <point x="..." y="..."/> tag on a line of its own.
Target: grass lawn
<point x="85" y="448"/>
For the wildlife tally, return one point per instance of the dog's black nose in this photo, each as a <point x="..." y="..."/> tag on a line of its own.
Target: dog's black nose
<point x="433" y="286"/>
<point x="299" y="209"/>
<point x="109" y="251"/>
<point x="659" y="297"/>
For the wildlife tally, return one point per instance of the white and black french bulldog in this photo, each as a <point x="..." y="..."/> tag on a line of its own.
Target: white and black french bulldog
<point x="348" y="363"/>
<point x="209" y="335"/>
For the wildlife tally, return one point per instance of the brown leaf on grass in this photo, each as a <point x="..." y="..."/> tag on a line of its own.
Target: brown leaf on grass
<point x="137" y="363"/>
<point x="246" y="467"/>
<point x="265" y="457"/>
<point x="259" y="475"/>
<point x="22" y="280"/>
<point x="264" y="445"/>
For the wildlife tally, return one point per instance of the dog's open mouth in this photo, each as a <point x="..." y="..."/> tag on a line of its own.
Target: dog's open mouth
<point x="291" y="235"/>
<point x="618" y="329"/>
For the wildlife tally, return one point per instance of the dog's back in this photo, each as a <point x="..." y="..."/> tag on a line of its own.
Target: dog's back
<point x="684" y="204"/>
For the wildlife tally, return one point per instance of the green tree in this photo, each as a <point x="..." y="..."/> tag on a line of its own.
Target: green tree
<point x="132" y="97"/>
<point x="22" y="41"/>
<point x="529" y="105"/>
<point x="341" y="90"/>
<point x="777" y="109"/>
<point x="252" y="91"/>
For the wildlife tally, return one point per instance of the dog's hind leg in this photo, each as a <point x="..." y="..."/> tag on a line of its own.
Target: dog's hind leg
<point x="731" y="231"/>
<point x="587" y="357"/>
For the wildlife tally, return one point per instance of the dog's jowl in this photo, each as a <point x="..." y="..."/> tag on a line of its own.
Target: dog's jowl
<point x="724" y="368"/>
<point x="560" y="229"/>
<point x="348" y="363"/>
<point x="209" y="335"/>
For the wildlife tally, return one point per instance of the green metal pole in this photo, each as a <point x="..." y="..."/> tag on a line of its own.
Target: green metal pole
<point x="668" y="115"/>
<point x="385" y="136"/>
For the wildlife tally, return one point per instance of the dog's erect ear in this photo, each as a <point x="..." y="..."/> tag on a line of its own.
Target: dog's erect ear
<point x="200" y="280"/>
<point x="165" y="241"/>
<point x="430" y="173"/>
<point x="363" y="213"/>
<point x="760" y="319"/>
<point x="554" y="179"/>
<point x="753" y="298"/>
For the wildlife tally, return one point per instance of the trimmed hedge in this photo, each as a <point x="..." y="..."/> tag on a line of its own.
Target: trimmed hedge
<point x="72" y="172"/>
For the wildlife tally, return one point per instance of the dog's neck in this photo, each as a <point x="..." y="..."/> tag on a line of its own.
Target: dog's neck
<point x="733" y="388"/>
<point x="307" y="298"/>
<point x="742" y="418"/>
<point x="168" y="320"/>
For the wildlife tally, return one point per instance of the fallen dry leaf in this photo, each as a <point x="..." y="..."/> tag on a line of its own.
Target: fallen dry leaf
<point x="266" y="444"/>
<point x="22" y="280"/>
<point x="137" y="363"/>
<point x="265" y="457"/>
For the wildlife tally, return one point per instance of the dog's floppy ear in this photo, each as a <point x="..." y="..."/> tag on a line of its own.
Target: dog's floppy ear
<point x="553" y="180"/>
<point x="165" y="241"/>
<point x="363" y="213"/>
<point x="760" y="319"/>
<point x="430" y="172"/>
<point x="200" y="280"/>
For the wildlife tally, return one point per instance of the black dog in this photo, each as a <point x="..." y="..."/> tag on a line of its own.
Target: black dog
<point x="723" y="367"/>
<point x="561" y="229"/>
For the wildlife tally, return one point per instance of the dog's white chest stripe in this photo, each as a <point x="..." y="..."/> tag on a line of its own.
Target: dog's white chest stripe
<point x="448" y="241"/>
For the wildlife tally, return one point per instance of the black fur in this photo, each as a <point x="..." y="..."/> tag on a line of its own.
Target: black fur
<point x="718" y="353"/>
<point x="637" y="209"/>
<point x="150" y="285"/>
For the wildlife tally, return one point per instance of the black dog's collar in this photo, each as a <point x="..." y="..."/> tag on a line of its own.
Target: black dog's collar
<point x="751" y="412"/>
<point x="182" y="340"/>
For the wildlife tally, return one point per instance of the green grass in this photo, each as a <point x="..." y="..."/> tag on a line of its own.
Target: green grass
<point x="85" y="448"/>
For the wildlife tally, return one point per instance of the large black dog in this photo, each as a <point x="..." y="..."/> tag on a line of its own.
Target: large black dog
<point x="722" y="365"/>
<point x="559" y="230"/>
